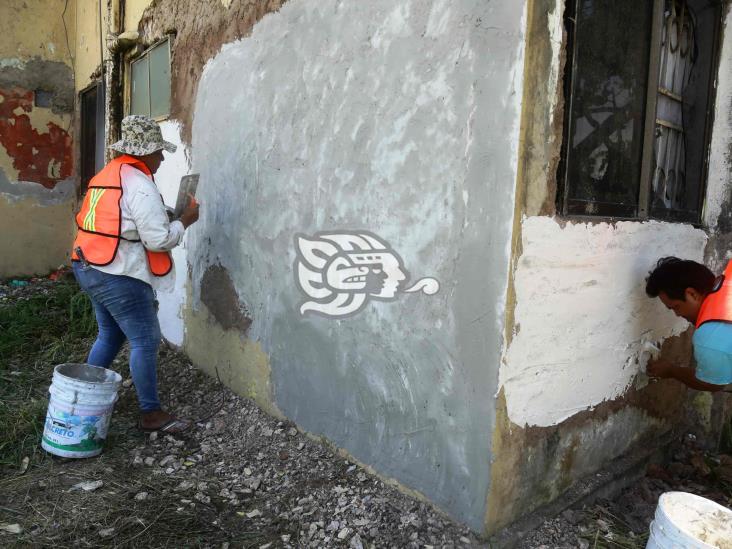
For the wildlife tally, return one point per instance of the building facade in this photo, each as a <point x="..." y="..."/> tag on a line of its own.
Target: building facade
<point x="426" y="225"/>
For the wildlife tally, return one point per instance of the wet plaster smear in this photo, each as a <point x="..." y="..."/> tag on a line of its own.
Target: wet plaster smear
<point x="582" y="314"/>
<point x="167" y="179"/>
<point x="396" y="118"/>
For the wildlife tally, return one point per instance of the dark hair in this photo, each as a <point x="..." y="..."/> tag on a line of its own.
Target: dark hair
<point x="673" y="275"/>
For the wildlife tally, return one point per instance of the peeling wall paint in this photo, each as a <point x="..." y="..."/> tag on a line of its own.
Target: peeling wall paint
<point x="199" y="30"/>
<point x="51" y="77"/>
<point x="396" y="119"/>
<point x="582" y="314"/>
<point x="36" y="156"/>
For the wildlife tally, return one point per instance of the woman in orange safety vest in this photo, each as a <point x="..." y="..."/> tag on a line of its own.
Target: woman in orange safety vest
<point x="122" y="251"/>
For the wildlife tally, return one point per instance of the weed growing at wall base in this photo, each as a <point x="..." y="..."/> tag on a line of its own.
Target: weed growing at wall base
<point x="47" y="324"/>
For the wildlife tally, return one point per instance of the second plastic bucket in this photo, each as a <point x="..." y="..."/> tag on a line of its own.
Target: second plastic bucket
<point x="688" y="521"/>
<point x="79" y="410"/>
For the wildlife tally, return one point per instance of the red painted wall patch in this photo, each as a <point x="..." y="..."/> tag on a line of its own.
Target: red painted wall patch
<point x="44" y="158"/>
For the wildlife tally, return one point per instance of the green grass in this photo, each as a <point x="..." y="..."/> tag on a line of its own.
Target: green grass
<point x="36" y="333"/>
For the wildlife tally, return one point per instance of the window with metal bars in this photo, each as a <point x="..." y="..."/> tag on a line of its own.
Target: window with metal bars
<point x="639" y="95"/>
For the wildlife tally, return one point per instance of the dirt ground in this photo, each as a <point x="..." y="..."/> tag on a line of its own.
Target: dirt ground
<point x="625" y="520"/>
<point x="239" y="478"/>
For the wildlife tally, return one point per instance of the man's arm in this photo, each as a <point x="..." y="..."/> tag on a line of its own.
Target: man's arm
<point x="665" y="370"/>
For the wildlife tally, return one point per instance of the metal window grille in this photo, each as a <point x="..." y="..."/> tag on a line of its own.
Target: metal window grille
<point x="636" y="130"/>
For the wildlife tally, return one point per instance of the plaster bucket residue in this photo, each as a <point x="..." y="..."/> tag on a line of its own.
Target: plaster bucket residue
<point x="689" y="521"/>
<point x="79" y="410"/>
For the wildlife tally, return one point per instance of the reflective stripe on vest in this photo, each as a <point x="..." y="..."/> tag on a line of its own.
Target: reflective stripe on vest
<point x="95" y="195"/>
<point x="718" y="304"/>
<point x="100" y="219"/>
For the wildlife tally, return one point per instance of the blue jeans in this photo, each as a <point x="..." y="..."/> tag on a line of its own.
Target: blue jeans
<point x="125" y="309"/>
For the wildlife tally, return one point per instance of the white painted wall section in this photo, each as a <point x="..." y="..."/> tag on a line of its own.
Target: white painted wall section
<point x="582" y="314"/>
<point x="167" y="179"/>
<point x="719" y="155"/>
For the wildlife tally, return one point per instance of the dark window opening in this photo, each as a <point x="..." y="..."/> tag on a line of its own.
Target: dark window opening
<point x="42" y="98"/>
<point x="638" y="92"/>
<point x="92" y="134"/>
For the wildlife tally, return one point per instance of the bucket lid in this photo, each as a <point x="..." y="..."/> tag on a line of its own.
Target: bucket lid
<point x="87" y="373"/>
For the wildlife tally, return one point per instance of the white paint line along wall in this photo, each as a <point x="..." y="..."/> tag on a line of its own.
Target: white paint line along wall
<point x="719" y="157"/>
<point x="582" y="313"/>
<point x="167" y="178"/>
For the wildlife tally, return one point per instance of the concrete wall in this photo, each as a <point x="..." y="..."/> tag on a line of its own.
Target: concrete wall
<point x="36" y="156"/>
<point x="381" y="92"/>
<point x="428" y="134"/>
<point x="395" y="120"/>
<point x="573" y="393"/>
<point x="89" y="42"/>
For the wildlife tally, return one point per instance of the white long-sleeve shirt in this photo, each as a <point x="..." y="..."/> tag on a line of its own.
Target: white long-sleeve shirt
<point x="144" y="218"/>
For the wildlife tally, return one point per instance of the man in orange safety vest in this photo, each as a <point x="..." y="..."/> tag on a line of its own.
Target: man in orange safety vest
<point x="692" y="292"/>
<point x="121" y="255"/>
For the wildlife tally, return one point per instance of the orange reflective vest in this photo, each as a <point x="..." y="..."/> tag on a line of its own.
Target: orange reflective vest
<point x="718" y="304"/>
<point x="100" y="219"/>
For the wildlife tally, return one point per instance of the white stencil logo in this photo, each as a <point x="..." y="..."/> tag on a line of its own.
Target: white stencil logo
<point x="341" y="271"/>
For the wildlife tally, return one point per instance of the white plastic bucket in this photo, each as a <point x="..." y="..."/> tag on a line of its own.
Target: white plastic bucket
<point x="688" y="521"/>
<point x="79" y="410"/>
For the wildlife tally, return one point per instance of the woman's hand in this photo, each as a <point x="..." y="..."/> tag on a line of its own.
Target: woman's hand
<point x="190" y="214"/>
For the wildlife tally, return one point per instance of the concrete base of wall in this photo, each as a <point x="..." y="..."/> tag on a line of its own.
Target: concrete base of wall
<point x="238" y="362"/>
<point x="607" y="483"/>
<point x="37" y="237"/>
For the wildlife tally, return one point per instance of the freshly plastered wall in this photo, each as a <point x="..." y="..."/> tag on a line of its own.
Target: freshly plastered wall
<point x="581" y="314"/>
<point x="167" y="178"/>
<point x="718" y="205"/>
<point x="36" y="159"/>
<point x="363" y="129"/>
<point x="573" y="395"/>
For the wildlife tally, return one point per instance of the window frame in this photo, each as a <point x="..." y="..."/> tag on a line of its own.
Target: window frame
<point x="84" y="151"/>
<point x="128" y="71"/>
<point x="645" y="178"/>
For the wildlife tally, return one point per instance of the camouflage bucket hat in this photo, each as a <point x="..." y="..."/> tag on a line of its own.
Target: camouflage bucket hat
<point x="140" y="136"/>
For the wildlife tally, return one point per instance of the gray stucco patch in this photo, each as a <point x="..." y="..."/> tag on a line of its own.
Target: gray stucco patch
<point x="52" y="77"/>
<point x="220" y="297"/>
<point x="21" y="190"/>
<point x="401" y="119"/>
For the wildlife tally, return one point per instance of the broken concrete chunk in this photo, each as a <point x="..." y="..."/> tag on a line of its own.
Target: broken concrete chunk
<point x="356" y="542"/>
<point x="87" y="485"/>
